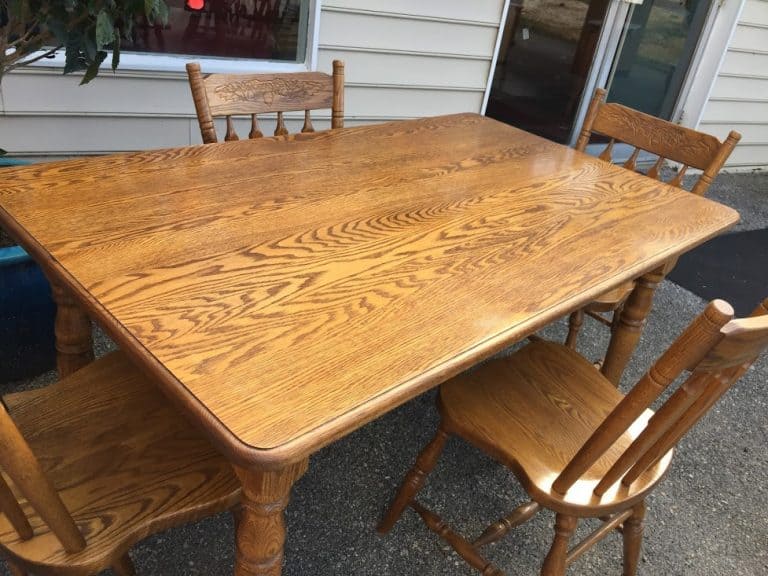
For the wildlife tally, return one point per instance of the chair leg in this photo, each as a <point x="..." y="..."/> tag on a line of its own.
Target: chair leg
<point x="633" y="539"/>
<point x="237" y="515"/>
<point x="124" y="566"/>
<point x="616" y="317"/>
<point x="414" y="480"/>
<point x="575" y="321"/>
<point x="15" y="569"/>
<point x="554" y="563"/>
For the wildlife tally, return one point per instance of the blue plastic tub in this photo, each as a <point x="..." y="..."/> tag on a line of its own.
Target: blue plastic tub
<point x="27" y="311"/>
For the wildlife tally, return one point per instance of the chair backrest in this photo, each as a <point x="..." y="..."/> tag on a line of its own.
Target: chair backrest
<point x="228" y="95"/>
<point x="666" y="140"/>
<point x="19" y="463"/>
<point x="717" y="350"/>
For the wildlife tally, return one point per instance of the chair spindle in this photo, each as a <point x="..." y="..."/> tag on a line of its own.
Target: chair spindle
<point x="231" y="134"/>
<point x="654" y="171"/>
<point x="607" y="153"/>
<point x="18" y="461"/>
<point x="631" y="163"/>
<point x="680" y="401"/>
<point x="307" y="123"/>
<point x="10" y="507"/>
<point x="280" y="129"/>
<point x="255" y="128"/>
<point x="688" y="350"/>
<point x="678" y="179"/>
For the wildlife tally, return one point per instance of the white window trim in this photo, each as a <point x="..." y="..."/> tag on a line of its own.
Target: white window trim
<point x="137" y="62"/>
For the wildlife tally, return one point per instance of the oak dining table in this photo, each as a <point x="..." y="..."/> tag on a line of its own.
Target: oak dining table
<point x="285" y="291"/>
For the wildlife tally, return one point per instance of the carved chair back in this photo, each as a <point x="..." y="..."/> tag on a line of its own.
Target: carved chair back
<point x="666" y="140"/>
<point x="19" y="463"/>
<point x="227" y="95"/>
<point x="717" y="350"/>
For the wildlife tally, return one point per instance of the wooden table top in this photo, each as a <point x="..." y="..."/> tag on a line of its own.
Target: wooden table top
<point x="286" y="291"/>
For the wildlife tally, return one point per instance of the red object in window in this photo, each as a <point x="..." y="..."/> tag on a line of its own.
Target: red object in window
<point x="195" y="4"/>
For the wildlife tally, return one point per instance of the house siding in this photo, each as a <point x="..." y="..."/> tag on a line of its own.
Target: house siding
<point x="403" y="60"/>
<point x="739" y="97"/>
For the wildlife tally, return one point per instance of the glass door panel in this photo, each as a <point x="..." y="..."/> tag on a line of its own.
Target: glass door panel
<point x="545" y="57"/>
<point x="658" y="43"/>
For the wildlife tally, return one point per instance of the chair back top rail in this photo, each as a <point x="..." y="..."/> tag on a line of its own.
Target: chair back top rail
<point x="20" y="465"/>
<point x="666" y="140"/>
<point x="225" y="95"/>
<point x="718" y="350"/>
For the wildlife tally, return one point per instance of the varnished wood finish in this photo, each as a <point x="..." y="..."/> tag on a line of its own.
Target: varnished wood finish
<point x="261" y="526"/>
<point x="632" y="534"/>
<point x="462" y="547"/>
<point x="577" y="444"/>
<point x="629" y="328"/>
<point x="414" y="480"/>
<point x="555" y="561"/>
<point x="664" y="139"/>
<point x="74" y="334"/>
<point x="285" y="291"/>
<point x="659" y="137"/>
<point x="364" y="239"/>
<point x="227" y="95"/>
<point x="500" y="528"/>
<point x="124" y="566"/>
<point x="99" y="461"/>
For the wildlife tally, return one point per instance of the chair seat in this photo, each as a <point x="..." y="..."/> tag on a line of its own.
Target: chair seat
<point x="612" y="299"/>
<point x="125" y="463"/>
<point x="533" y="411"/>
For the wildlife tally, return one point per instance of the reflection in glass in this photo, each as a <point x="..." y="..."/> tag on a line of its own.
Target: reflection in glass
<point x="259" y="29"/>
<point x="544" y="58"/>
<point x="655" y="52"/>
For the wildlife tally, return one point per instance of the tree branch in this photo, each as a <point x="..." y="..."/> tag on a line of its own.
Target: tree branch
<point x="19" y="62"/>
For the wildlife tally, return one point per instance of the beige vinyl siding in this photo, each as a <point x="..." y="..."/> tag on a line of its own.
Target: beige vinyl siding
<point x="404" y="59"/>
<point x="739" y="97"/>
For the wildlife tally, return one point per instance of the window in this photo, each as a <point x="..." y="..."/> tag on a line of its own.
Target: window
<point x="273" y="30"/>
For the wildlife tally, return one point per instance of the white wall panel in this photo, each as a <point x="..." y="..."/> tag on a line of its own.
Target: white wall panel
<point x="748" y="37"/>
<point x="750" y="133"/>
<point x="403" y="34"/>
<point x="745" y="63"/>
<point x="739" y="96"/>
<point x="68" y="135"/>
<point x="398" y="69"/>
<point x="741" y="87"/>
<point x="472" y="10"/>
<point x="755" y="11"/>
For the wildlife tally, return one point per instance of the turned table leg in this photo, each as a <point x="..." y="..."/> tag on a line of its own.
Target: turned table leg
<point x="261" y="526"/>
<point x="74" y="340"/>
<point x="630" y="325"/>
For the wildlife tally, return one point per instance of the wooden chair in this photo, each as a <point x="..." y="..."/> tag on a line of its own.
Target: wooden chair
<point x="578" y="446"/>
<point x="96" y="462"/>
<point x="667" y="141"/>
<point x="228" y="95"/>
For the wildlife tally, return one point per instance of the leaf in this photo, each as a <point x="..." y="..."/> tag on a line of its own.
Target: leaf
<point x="116" y="52"/>
<point x="105" y="30"/>
<point x="162" y="12"/>
<point x="93" y="69"/>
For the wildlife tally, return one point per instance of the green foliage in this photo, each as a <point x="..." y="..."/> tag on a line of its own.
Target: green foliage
<point x="87" y="30"/>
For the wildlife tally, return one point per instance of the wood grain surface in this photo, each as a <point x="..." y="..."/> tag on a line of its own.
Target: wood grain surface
<point x="288" y="290"/>
<point x="123" y="462"/>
